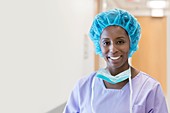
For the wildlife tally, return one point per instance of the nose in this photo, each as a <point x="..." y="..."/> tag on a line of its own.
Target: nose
<point x="113" y="48"/>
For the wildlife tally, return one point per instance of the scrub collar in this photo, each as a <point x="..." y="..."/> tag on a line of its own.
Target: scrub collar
<point x="130" y="97"/>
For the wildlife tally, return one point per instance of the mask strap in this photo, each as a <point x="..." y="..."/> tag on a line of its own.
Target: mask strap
<point x="131" y="91"/>
<point x="92" y="95"/>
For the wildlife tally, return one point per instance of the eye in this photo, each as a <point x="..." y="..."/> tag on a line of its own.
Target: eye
<point x="105" y="43"/>
<point x="120" y="42"/>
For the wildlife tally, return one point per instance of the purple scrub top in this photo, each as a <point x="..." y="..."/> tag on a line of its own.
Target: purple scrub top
<point x="87" y="98"/>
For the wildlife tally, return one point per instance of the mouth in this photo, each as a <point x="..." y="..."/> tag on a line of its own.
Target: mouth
<point x="114" y="58"/>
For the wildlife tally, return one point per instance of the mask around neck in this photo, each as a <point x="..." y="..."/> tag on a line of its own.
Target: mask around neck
<point x="104" y="74"/>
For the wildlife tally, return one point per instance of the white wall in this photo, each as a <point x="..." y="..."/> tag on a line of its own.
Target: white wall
<point x="42" y="52"/>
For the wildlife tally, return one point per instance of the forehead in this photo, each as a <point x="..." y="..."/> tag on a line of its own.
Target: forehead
<point x="114" y="31"/>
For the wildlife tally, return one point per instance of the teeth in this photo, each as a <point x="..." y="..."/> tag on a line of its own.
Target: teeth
<point x="114" y="58"/>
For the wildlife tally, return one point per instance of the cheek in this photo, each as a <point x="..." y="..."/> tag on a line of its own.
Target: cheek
<point x="126" y="48"/>
<point x="126" y="51"/>
<point x="104" y="50"/>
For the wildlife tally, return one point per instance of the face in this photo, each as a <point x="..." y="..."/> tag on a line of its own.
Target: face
<point x="115" y="44"/>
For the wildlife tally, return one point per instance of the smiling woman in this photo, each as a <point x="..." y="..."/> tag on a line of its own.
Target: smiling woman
<point x="118" y="87"/>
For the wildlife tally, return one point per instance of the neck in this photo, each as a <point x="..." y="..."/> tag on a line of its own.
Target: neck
<point x="115" y="71"/>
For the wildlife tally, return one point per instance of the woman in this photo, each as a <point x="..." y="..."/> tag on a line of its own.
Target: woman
<point x="118" y="88"/>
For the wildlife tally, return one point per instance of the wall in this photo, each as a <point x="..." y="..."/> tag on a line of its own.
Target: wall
<point x="168" y="61"/>
<point x="42" y="52"/>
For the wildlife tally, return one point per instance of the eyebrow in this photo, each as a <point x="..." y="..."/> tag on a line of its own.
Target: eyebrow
<point x="103" y="39"/>
<point x="120" y="38"/>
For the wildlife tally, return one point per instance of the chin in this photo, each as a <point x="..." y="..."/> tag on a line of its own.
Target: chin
<point x="118" y="65"/>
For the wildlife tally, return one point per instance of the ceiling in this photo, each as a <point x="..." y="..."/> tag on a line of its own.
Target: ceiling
<point x="138" y="7"/>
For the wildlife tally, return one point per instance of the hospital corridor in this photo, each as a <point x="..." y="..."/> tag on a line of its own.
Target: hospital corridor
<point x="47" y="47"/>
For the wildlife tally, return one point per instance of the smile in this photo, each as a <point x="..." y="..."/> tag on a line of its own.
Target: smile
<point x="115" y="58"/>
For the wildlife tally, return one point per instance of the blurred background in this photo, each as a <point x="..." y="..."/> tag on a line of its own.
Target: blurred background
<point x="45" y="49"/>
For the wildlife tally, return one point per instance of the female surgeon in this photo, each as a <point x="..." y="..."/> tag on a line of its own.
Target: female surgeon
<point x="119" y="87"/>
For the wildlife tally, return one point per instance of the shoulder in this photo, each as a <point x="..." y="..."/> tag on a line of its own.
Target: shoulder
<point x="145" y="81"/>
<point x="153" y="85"/>
<point x="144" y="85"/>
<point x="148" y="79"/>
<point x="86" y="81"/>
<point x="143" y="77"/>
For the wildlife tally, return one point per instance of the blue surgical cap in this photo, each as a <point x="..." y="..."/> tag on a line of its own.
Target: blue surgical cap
<point x="116" y="17"/>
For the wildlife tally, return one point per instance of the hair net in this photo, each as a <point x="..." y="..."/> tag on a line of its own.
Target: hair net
<point x="116" y="17"/>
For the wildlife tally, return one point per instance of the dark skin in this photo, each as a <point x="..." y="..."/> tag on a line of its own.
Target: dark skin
<point x="115" y="44"/>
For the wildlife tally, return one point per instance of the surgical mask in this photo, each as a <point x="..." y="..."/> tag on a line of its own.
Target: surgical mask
<point x="104" y="74"/>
